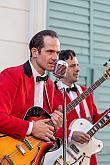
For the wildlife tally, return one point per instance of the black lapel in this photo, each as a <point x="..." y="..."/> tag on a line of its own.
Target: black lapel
<point x="55" y="83"/>
<point x="27" y="69"/>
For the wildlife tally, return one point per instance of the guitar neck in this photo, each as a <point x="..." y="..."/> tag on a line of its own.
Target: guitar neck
<point x="83" y="95"/>
<point x="100" y="123"/>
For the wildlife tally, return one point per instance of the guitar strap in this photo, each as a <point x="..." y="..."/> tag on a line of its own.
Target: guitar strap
<point x="87" y="112"/>
<point x="47" y="98"/>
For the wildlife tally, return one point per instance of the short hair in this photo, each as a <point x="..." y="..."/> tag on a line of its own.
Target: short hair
<point x="66" y="54"/>
<point x="37" y="40"/>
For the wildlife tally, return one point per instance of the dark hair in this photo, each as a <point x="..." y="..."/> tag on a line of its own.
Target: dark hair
<point x="37" y="40"/>
<point x="66" y="54"/>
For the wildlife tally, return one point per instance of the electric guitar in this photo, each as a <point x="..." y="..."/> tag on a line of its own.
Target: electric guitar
<point x="83" y="125"/>
<point x="76" y="153"/>
<point x="31" y="150"/>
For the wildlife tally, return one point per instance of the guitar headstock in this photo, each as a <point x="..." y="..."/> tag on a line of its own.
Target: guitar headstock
<point x="107" y="70"/>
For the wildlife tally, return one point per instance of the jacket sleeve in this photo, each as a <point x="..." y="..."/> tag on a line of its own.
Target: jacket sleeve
<point x="9" y="123"/>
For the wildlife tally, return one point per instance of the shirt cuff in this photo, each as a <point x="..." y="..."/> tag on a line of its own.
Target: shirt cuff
<point x="69" y="138"/>
<point x="29" y="128"/>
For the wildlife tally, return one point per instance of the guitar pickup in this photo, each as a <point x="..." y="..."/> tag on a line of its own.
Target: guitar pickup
<point x="28" y="144"/>
<point x="20" y="148"/>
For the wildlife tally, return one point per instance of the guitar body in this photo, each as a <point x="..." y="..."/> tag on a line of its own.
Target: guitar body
<point x="78" y="154"/>
<point x="11" y="155"/>
<point x="27" y="152"/>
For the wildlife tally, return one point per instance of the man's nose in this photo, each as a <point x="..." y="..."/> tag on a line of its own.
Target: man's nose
<point x="77" y="68"/>
<point x="55" y="56"/>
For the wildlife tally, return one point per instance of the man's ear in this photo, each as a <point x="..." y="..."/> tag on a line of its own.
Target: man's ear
<point x="34" y="52"/>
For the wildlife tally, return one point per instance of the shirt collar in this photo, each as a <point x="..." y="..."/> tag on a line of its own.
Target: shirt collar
<point x="66" y="86"/>
<point x="34" y="72"/>
<point x="60" y="85"/>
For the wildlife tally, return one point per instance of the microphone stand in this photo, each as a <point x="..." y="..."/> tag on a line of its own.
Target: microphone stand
<point x="59" y="72"/>
<point x="64" y="122"/>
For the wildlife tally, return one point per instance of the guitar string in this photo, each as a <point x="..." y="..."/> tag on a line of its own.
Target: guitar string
<point x="85" y="94"/>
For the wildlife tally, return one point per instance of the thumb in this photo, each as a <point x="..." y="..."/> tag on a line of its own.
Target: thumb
<point x="60" y="108"/>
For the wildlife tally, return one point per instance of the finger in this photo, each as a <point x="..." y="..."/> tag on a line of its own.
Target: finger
<point x="54" y="121"/>
<point x="50" y="136"/>
<point x="45" y="138"/>
<point x="57" y="123"/>
<point x="55" y="118"/>
<point x="58" y="114"/>
<point x="82" y="141"/>
<point x="50" y="132"/>
<point x="85" y="136"/>
<point x="45" y="120"/>
<point x="51" y="128"/>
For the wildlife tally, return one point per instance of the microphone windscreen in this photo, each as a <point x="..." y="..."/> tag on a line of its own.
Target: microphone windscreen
<point x="60" y="69"/>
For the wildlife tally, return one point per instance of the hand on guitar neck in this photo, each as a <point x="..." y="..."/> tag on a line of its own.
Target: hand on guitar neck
<point x="42" y="130"/>
<point x="107" y="71"/>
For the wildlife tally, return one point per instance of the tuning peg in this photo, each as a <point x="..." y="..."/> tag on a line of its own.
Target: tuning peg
<point x="105" y="64"/>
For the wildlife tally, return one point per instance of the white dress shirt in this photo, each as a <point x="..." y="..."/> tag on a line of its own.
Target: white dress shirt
<point x="72" y="95"/>
<point x="38" y="94"/>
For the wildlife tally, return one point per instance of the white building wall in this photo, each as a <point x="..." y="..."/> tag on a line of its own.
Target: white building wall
<point x="19" y="20"/>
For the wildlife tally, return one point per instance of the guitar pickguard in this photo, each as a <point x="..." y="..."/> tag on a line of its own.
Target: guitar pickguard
<point x="76" y="153"/>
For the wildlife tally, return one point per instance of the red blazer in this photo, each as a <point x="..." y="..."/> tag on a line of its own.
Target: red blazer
<point x="16" y="97"/>
<point x="58" y="100"/>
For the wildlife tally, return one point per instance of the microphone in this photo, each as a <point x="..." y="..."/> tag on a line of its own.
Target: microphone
<point x="60" y="69"/>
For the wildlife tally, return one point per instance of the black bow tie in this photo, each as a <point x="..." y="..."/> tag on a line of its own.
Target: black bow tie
<point x="71" y="89"/>
<point x="39" y="78"/>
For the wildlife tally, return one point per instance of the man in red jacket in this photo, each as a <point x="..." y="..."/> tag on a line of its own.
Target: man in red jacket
<point x="25" y="86"/>
<point x="72" y="91"/>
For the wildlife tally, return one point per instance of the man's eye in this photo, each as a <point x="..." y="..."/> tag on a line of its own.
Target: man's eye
<point x="50" y="51"/>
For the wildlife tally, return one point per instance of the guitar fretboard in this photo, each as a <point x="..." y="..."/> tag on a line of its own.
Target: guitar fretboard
<point x="83" y="95"/>
<point x="100" y="123"/>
